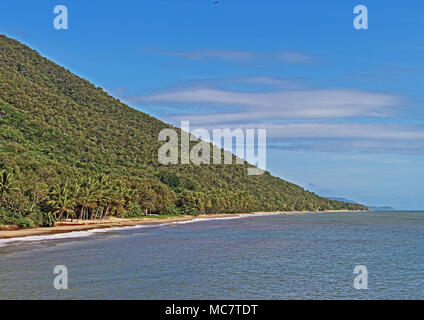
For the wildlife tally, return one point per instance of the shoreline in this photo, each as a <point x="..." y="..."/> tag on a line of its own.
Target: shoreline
<point x="68" y="227"/>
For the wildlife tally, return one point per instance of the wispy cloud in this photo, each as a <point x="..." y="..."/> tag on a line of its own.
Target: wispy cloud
<point x="386" y="146"/>
<point x="236" y="55"/>
<point x="291" y="57"/>
<point x="296" y="117"/>
<point x="210" y="54"/>
<point x="248" y="83"/>
<point x="326" y="130"/>
<point x="385" y="73"/>
<point x="294" y="104"/>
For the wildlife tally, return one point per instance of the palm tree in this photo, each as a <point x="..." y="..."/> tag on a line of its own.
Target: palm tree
<point x="7" y="183"/>
<point x="103" y="195"/>
<point x="87" y="197"/>
<point x="116" y="197"/>
<point x="61" y="199"/>
<point x="123" y="196"/>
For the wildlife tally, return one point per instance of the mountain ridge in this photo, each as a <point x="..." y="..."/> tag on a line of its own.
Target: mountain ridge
<point x="56" y="126"/>
<point x="372" y="208"/>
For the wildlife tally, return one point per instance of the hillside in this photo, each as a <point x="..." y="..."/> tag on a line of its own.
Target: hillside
<point x="341" y="199"/>
<point x="61" y="134"/>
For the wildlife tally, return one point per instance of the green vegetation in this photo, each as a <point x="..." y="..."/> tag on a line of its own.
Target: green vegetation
<point x="68" y="149"/>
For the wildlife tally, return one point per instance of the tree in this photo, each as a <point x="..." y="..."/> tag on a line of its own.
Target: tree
<point x="61" y="199"/>
<point x="7" y="184"/>
<point x="37" y="192"/>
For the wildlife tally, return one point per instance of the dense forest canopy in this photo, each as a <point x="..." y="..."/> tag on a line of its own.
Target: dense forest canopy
<point x="68" y="149"/>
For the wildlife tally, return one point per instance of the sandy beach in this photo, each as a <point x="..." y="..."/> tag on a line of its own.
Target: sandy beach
<point x="70" y="226"/>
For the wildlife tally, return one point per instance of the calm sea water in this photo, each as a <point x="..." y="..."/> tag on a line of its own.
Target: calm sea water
<point x="306" y="256"/>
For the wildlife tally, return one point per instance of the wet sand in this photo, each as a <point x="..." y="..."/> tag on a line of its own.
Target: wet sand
<point x="68" y="226"/>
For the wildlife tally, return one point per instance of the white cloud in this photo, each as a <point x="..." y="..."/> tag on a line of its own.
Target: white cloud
<point x="296" y="117"/>
<point x="385" y="146"/>
<point x="292" y="57"/>
<point x="235" y="55"/>
<point x="295" y="104"/>
<point x="318" y="130"/>
<point x="212" y="54"/>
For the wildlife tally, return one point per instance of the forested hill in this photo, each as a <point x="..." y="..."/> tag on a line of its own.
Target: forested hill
<point x="59" y="131"/>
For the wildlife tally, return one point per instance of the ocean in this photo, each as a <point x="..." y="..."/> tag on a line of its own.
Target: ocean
<point x="301" y="256"/>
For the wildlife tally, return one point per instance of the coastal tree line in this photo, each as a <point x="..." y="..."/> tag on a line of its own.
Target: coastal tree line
<point x="31" y="201"/>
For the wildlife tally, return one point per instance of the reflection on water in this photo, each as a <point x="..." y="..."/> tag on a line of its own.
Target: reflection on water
<point x="307" y="256"/>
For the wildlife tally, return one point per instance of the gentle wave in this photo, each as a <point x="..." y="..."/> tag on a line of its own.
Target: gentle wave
<point x="87" y="233"/>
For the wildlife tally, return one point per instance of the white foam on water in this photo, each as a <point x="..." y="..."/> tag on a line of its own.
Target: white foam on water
<point x="87" y="233"/>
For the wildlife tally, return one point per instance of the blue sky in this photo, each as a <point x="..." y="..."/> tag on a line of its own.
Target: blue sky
<point x="343" y="108"/>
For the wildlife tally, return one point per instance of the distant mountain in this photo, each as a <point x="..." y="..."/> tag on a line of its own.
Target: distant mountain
<point x="341" y="199"/>
<point x="56" y="126"/>
<point x="372" y="208"/>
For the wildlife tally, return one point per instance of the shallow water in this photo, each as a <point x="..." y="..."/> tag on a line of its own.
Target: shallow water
<point x="304" y="256"/>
